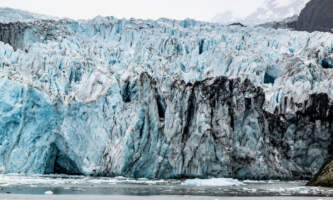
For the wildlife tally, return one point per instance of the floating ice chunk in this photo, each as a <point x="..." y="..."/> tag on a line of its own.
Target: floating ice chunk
<point x="212" y="182"/>
<point x="48" y="193"/>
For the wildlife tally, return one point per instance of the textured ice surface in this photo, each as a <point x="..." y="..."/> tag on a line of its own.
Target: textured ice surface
<point x="9" y="15"/>
<point x="80" y="61"/>
<point x="142" y="98"/>
<point x="212" y="182"/>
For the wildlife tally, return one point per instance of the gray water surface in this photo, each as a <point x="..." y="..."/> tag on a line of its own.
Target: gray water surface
<point x="103" y="197"/>
<point x="62" y="186"/>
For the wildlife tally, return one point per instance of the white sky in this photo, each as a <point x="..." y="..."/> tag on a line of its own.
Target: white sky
<point x="147" y="9"/>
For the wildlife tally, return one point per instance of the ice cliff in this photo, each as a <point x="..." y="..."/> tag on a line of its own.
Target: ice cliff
<point x="164" y="99"/>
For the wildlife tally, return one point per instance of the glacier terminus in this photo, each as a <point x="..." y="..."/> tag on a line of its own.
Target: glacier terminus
<point x="164" y="99"/>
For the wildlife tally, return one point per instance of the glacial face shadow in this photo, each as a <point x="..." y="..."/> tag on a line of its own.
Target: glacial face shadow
<point x="61" y="163"/>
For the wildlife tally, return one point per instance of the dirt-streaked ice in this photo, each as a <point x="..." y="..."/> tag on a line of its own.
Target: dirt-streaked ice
<point x="163" y="99"/>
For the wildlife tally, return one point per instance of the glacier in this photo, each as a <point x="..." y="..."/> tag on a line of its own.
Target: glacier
<point x="164" y="99"/>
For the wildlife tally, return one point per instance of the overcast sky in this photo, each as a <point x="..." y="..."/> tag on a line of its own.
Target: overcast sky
<point x="147" y="9"/>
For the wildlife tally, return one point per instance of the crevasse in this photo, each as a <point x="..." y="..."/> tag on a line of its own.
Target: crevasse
<point x="163" y="99"/>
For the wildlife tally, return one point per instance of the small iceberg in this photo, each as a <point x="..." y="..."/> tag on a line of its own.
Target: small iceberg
<point x="212" y="182"/>
<point x="48" y="193"/>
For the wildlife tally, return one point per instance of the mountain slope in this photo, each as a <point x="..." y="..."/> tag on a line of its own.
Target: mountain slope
<point x="316" y="16"/>
<point x="270" y="11"/>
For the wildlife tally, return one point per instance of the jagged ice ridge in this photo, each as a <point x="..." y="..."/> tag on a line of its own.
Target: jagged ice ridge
<point x="163" y="99"/>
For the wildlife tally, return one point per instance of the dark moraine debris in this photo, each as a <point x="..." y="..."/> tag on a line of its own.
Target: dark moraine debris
<point x="20" y="35"/>
<point x="13" y="34"/>
<point x="237" y="24"/>
<point x="224" y="123"/>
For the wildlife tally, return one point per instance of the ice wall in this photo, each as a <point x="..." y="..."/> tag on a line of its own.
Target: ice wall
<point x="164" y="99"/>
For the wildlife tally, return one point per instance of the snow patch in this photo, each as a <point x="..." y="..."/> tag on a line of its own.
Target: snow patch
<point x="270" y="11"/>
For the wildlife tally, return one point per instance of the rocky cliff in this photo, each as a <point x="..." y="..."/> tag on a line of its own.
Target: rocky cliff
<point x="324" y="177"/>
<point x="316" y="16"/>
